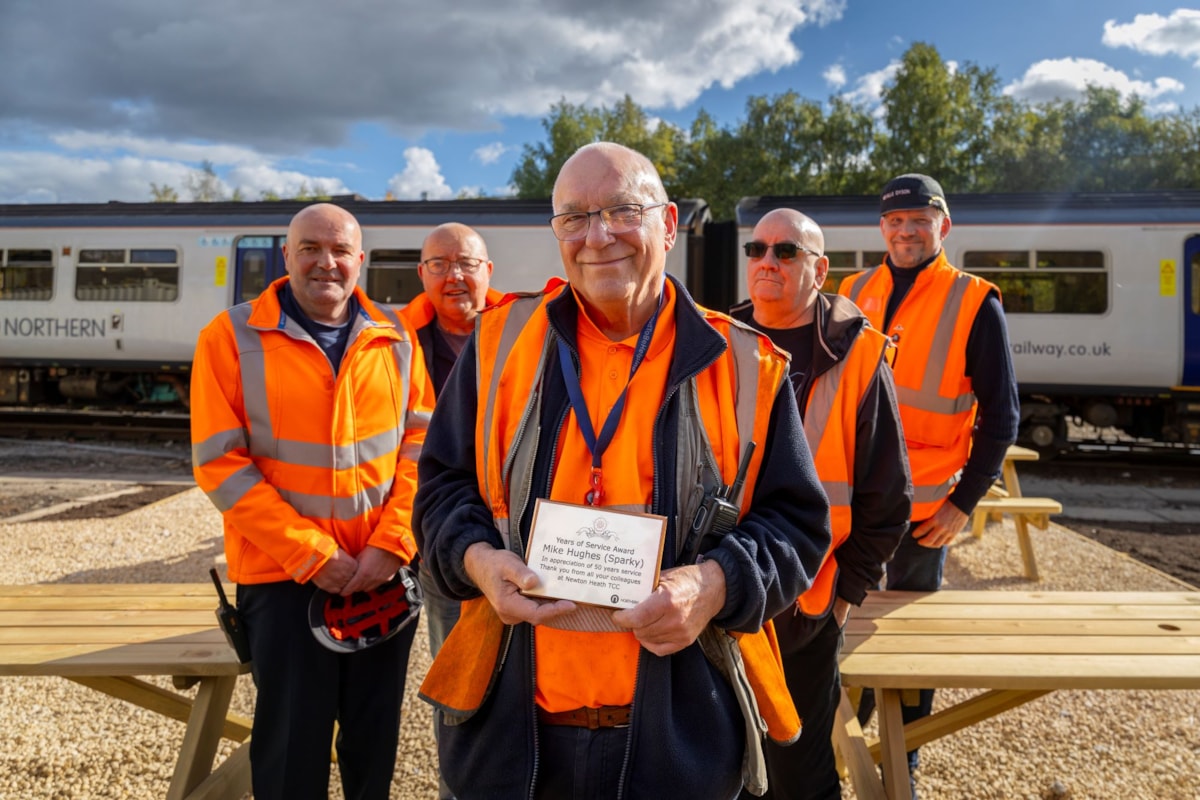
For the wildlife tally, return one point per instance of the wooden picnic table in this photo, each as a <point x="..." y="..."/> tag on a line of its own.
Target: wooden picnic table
<point x="105" y="635"/>
<point x="1005" y="497"/>
<point x="1016" y="646"/>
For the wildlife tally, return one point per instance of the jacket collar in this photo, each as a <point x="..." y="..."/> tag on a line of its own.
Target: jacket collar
<point x="697" y="344"/>
<point x="838" y="321"/>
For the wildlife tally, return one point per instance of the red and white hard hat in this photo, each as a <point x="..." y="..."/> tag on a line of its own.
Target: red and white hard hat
<point x="364" y="619"/>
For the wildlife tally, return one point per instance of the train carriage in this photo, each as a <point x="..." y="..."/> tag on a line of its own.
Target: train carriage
<point x="1101" y="294"/>
<point x="103" y="302"/>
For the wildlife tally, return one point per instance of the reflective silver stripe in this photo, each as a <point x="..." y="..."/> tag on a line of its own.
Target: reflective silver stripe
<point x="343" y="456"/>
<point x="321" y="506"/>
<point x="744" y="349"/>
<point x="252" y="360"/>
<point x="417" y="420"/>
<point x="520" y="312"/>
<point x="820" y="404"/>
<point x="235" y="487"/>
<point x="217" y="445"/>
<point x="402" y="351"/>
<point x="928" y="397"/>
<point x="857" y="286"/>
<point x="934" y="403"/>
<point x="838" y="492"/>
<point x="931" y="493"/>
<point x="410" y="452"/>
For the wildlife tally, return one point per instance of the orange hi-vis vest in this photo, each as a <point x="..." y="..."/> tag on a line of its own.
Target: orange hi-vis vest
<point x="298" y="460"/>
<point x="831" y="427"/>
<point x="930" y="330"/>
<point x="513" y="342"/>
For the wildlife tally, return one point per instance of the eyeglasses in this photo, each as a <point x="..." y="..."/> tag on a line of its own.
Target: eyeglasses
<point x="573" y="225"/>
<point x="784" y="251"/>
<point x="441" y="266"/>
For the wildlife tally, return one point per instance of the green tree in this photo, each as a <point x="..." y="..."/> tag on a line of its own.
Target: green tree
<point x="568" y="127"/>
<point x="936" y="120"/>
<point x="164" y="193"/>
<point x="204" y="185"/>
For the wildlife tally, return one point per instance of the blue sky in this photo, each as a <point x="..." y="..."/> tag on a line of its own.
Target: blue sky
<point x="98" y="100"/>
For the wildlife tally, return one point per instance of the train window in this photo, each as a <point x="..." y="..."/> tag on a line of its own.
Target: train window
<point x="873" y="258"/>
<point x="26" y="275"/>
<point x="976" y="260"/>
<point x="1044" y="281"/>
<point x="134" y="275"/>
<point x="841" y="264"/>
<point x="392" y="276"/>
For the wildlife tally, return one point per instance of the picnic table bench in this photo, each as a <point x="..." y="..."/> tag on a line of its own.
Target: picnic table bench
<point x="1016" y="646"/>
<point x="105" y="635"/>
<point x="1005" y="497"/>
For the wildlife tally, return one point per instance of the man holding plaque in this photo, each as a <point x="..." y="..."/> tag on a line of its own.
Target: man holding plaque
<point x="847" y="400"/>
<point x="607" y="418"/>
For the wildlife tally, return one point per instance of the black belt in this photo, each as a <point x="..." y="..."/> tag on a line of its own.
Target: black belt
<point x="590" y="718"/>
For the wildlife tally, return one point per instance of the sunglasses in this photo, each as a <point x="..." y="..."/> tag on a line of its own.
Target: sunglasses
<point x="784" y="251"/>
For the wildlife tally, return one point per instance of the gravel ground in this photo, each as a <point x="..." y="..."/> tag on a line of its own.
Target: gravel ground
<point x="59" y="740"/>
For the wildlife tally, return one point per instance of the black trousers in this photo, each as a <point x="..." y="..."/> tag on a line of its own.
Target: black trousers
<point x="303" y="688"/>
<point x="807" y="769"/>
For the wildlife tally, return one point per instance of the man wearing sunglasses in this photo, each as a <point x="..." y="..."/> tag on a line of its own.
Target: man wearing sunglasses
<point x="456" y="273"/>
<point x="844" y="390"/>
<point x="954" y="379"/>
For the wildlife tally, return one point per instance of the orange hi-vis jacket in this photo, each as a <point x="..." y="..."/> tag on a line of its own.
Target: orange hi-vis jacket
<point x="298" y="460"/>
<point x="514" y="342"/>
<point x="937" y="406"/>
<point x="420" y="311"/>
<point x="831" y="426"/>
<point x="420" y="314"/>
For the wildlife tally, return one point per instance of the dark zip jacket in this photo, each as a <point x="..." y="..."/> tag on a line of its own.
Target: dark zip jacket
<point x="882" y="495"/>
<point x="687" y="736"/>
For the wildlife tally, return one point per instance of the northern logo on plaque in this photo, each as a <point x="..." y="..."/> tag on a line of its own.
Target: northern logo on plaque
<point x="593" y="555"/>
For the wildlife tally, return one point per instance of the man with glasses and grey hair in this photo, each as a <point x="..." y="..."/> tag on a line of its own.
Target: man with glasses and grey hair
<point x="614" y="396"/>
<point x="456" y="273"/>
<point x="847" y="400"/>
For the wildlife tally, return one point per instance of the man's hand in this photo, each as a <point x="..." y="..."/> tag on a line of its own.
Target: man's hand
<point x="336" y="572"/>
<point x="940" y="529"/>
<point x="375" y="566"/>
<point x="501" y="575"/>
<point x="841" y="611"/>
<point x="675" y="614"/>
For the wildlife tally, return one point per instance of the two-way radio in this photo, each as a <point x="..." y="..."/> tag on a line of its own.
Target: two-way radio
<point x="231" y="622"/>
<point x="718" y="513"/>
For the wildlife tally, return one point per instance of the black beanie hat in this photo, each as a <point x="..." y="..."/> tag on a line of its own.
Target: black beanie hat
<point x="913" y="190"/>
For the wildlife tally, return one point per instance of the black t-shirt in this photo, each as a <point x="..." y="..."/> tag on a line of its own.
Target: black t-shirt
<point x="798" y="342"/>
<point x="331" y="339"/>
<point x="446" y="348"/>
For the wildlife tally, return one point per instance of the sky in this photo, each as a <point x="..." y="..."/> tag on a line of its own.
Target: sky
<point x="100" y="99"/>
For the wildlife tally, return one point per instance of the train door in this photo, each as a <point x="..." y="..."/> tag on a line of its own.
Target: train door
<point x="1191" y="311"/>
<point x="259" y="261"/>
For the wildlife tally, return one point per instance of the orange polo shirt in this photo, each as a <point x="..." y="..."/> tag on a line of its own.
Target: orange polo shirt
<point x="576" y="669"/>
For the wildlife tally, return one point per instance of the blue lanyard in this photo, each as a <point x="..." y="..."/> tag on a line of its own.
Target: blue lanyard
<point x="597" y="446"/>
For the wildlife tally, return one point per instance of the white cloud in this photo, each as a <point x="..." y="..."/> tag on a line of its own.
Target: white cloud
<point x="255" y="180"/>
<point x="1068" y="78"/>
<point x="218" y="154"/>
<point x="40" y="177"/>
<point x="1177" y="35"/>
<point x="835" y="76"/>
<point x="490" y="153"/>
<point x="421" y="178"/>
<point x="868" y="89"/>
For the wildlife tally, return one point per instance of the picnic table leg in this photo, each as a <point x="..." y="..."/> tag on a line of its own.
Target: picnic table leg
<point x="1026" y="544"/>
<point x="891" y="740"/>
<point x="1011" y="484"/>
<point x="202" y="736"/>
